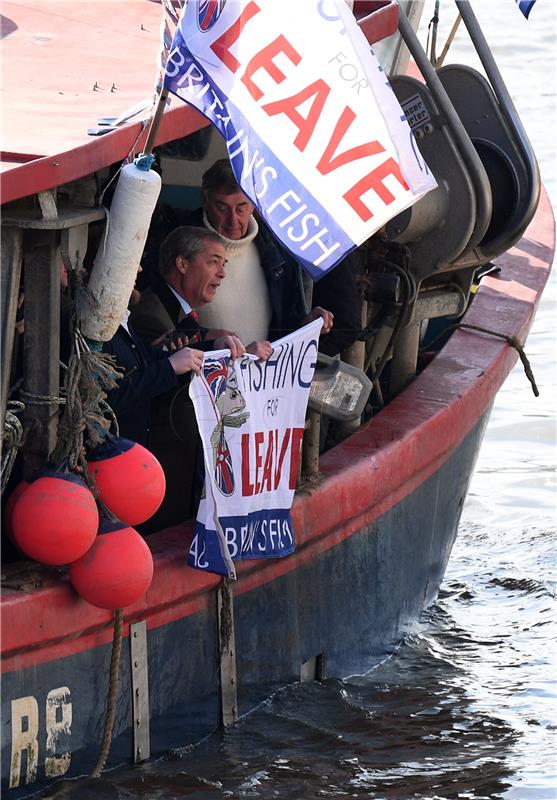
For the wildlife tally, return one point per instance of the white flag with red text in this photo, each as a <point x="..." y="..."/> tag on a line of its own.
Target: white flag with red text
<point x="314" y="132"/>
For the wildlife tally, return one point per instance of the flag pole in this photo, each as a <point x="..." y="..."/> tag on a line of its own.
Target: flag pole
<point x="155" y="120"/>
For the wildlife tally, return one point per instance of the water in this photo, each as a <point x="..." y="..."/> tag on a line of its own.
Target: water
<point x="467" y="707"/>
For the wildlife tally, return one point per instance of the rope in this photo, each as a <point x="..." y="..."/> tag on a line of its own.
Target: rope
<point x="448" y="43"/>
<point x="42" y="399"/>
<point x="87" y="379"/>
<point x="432" y="28"/>
<point x="511" y="340"/>
<point x="114" y="681"/>
<point x="12" y="437"/>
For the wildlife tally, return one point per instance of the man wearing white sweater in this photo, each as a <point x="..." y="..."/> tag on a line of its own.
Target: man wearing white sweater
<point x="262" y="297"/>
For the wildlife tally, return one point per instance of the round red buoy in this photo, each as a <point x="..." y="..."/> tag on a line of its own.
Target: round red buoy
<point x="118" y="568"/>
<point x="9" y="508"/>
<point x="129" y="479"/>
<point x="55" y="520"/>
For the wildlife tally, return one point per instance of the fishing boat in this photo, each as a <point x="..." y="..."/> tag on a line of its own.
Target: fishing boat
<point x="375" y="516"/>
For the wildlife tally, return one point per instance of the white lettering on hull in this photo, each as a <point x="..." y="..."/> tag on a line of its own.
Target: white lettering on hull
<point x="25" y="736"/>
<point x="25" y="729"/>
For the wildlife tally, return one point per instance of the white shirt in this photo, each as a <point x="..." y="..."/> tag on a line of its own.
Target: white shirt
<point x="186" y="308"/>
<point x="124" y="321"/>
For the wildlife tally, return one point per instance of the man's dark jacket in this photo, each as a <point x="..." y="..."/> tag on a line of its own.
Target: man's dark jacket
<point x="159" y="311"/>
<point x="147" y="374"/>
<point x="145" y="405"/>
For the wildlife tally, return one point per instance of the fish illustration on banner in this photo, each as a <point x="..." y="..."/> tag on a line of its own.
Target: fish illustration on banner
<point x="251" y="417"/>
<point x="229" y="405"/>
<point x="315" y="135"/>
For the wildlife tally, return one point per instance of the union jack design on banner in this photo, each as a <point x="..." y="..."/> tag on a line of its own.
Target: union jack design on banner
<point x="215" y="372"/>
<point x="251" y="436"/>
<point x="208" y="13"/>
<point x="229" y="408"/>
<point x="224" y="476"/>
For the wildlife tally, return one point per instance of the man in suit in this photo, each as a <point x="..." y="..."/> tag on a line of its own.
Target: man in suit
<point x="192" y="266"/>
<point x="191" y="269"/>
<point x="147" y="373"/>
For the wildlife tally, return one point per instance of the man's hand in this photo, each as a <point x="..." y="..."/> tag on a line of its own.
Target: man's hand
<point x="262" y="349"/>
<point x="171" y="340"/>
<point x="186" y="360"/>
<point x="232" y="343"/>
<point x="327" y="316"/>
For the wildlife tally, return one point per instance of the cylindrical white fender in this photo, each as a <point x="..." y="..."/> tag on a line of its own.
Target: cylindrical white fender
<point x="117" y="260"/>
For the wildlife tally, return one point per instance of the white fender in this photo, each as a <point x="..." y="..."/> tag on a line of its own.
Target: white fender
<point x="115" y="267"/>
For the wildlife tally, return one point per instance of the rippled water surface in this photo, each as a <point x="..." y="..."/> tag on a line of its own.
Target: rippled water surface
<point x="467" y="706"/>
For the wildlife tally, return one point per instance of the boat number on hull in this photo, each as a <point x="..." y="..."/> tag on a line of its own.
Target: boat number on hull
<point x="26" y="734"/>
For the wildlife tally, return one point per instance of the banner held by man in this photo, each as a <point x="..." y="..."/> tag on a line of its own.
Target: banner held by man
<point x="251" y="418"/>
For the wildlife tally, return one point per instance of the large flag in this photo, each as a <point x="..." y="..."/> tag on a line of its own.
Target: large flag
<point x="315" y="134"/>
<point x="526" y="6"/>
<point x="251" y="418"/>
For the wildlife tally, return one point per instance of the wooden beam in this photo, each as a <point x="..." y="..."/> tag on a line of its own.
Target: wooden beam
<point x="41" y="374"/>
<point x="9" y="291"/>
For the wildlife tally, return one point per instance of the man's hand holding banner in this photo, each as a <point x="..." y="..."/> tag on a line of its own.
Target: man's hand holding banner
<point x="251" y="417"/>
<point x="314" y="133"/>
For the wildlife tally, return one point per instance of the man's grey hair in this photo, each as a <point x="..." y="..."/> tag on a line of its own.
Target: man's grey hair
<point x="187" y="242"/>
<point x="220" y="178"/>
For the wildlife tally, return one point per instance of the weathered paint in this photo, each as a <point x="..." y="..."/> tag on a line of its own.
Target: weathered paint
<point x="26" y="734"/>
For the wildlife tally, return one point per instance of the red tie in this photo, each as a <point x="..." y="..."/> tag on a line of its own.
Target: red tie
<point x="195" y="337"/>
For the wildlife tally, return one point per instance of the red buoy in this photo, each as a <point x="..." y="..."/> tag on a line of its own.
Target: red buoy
<point x="9" y="508"/>
<point x="118" y="568"/>
<point x="55" y="520"/>
<point x="129" y="479"/>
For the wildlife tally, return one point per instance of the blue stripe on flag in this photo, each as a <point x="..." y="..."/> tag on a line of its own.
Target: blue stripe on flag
<point x="525" y="6"/>
<point x="266" y="533"/>
<point x="326" y="249"/>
